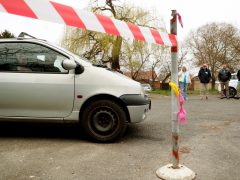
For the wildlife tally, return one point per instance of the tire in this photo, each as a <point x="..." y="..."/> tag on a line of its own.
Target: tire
<point x="104" y="121"/>
<point x="232" y="92"/>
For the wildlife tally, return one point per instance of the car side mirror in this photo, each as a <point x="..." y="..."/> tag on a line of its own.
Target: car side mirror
<point x="69" y="64"/>
<point x="79" y="69"/>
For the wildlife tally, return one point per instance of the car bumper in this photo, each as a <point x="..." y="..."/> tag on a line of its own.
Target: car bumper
<point x="138" y="113"/>
<point x="137" y="106"/>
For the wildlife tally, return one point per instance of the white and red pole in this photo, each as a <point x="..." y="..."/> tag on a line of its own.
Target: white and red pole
<point x="174" y="100"/>
<point x="175" y="171"/>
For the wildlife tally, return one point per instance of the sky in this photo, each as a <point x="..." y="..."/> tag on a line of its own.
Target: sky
<point x="195" y="13"/>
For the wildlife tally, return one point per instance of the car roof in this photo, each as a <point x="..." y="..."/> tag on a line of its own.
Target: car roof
<point x="22" y="39"/>
<point x="22" y="36"/>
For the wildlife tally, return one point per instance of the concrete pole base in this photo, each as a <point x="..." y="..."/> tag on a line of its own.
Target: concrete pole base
<point x="168" y="173"/>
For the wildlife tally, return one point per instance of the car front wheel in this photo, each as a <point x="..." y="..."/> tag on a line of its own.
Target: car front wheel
<point x="104" y="120"/>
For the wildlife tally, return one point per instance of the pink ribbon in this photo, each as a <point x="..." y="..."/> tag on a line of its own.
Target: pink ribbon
<point x="182" y="112"/>
<point x="180" y="19"/>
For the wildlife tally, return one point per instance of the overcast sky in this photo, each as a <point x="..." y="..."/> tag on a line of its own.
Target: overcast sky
<point x="195" y="13"/>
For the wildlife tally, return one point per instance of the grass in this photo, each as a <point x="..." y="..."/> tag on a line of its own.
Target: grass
<point x="189" y="92"/>
<point x="162" y="92"/>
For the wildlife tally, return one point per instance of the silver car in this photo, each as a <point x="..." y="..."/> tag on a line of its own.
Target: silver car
<point x="40" y="81"/>
<point x="232" y="86"/>
<point x="146" y="87"/>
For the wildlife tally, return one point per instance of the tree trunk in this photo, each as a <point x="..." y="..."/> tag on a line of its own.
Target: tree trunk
<point x="115" y="53"/>
<point x="213" y="83"/>
<point x="153" y="78"/>
<point x="166" y="77"/>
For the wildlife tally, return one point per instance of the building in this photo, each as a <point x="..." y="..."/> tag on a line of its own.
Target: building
<point x="149" y="77"/>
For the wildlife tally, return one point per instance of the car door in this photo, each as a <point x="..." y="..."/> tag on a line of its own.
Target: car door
<point x="33" y="82"/>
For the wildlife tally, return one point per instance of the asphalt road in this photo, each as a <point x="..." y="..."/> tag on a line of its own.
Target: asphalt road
<point x="209" y="145"/>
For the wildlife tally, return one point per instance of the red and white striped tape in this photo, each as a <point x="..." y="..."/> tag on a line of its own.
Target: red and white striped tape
<point x="67" y="15"/>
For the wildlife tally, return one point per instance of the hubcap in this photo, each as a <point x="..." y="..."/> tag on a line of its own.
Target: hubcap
<point x="103" y="121"/>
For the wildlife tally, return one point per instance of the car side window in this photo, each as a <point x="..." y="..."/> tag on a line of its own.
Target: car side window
<point x="30" y="57"/>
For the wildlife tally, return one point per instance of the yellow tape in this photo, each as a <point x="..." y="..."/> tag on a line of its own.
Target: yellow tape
<point x="174" y="87"/>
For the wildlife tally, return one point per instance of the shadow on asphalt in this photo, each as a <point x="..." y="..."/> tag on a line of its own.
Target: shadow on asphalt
<point x="64" y="131"/>
<point x="41" y="130"/>
<point x="143" y="132"/>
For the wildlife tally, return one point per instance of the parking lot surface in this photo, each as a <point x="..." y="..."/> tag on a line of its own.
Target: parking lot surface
<point x="209" y="145"/>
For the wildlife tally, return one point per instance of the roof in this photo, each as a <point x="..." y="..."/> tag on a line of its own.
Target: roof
<point x="144" y="75"/>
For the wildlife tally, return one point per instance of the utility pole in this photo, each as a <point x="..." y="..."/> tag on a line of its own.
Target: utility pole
<point x="175" y="171"/>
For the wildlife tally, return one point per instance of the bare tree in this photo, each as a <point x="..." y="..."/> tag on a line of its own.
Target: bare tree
<point x="135" y="56"/>
<point x="215" y="44"/>
<point x="165" y="69"/>
<point x="91" y="45"/>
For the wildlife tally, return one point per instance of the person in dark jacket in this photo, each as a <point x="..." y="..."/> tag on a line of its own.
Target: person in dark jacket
<point x="204" y="76"/>
<point x="224" y="77"/>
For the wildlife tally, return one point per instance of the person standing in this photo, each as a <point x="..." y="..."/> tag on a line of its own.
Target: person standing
<point x="204" y="76"/>
<point x="224" y="77"/>
<point x="184" y="80"/>
<point x="238" y="85"/>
